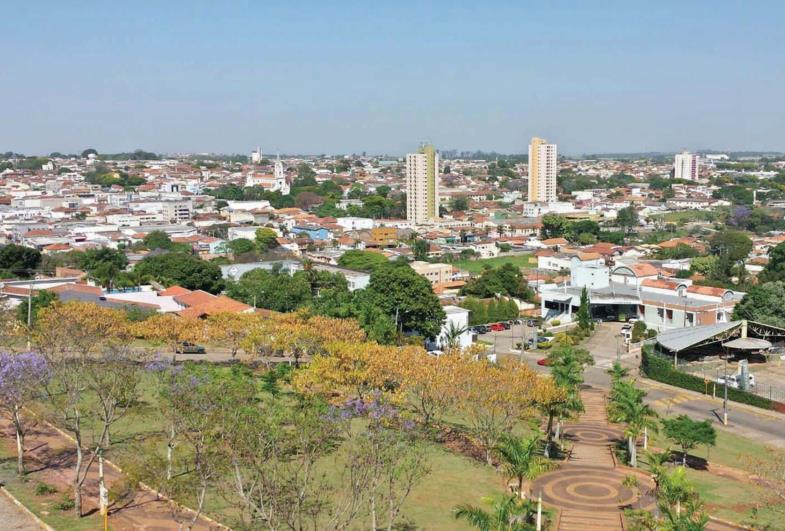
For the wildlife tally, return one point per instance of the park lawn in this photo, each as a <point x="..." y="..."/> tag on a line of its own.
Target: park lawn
<point x="477" y="266"/>
<point x="731" y="450"/>
<point x="453" y="480"/>
<point x="737" y="501"/>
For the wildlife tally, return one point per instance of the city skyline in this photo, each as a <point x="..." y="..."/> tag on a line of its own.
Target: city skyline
<point x="314" y="78"/>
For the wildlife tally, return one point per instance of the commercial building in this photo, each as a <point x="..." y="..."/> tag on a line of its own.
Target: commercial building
<point x="542" y="171"/>
<point x="422" y="186"/>
<point x="686" y="166"/>
<point x="435" y="273"/>
<point x="177" y="211"/>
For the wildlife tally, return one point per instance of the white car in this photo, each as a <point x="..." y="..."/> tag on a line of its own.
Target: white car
<point x="734" y="380"/>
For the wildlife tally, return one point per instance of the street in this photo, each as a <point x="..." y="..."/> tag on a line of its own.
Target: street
<point x="764" y="426"/>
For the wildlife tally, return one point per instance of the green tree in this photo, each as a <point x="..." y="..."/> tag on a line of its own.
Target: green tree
<point x="775" y="269"/>
<point x="554" y="226"/>
<point x="241" y="246"/>
<point x="730" y="247"/>
<point x="273" y="290"/>
<point x="521" y="460"/>
<point x="688" y="433"/>
<point x="459" y="203"/>
<point x="186" y="270"/>
<point x="19" y="260"/>
<point x="764" y="303"/>
<point x="420" y="249"/>
<point x="40" y="300"/>
<point x="505" y="280"/>
<point x="627" y="218"/>
<point x="361" y="260"/>
<point x="266" y="239"/>
<point x="157" y="239"/>
<point x="508" y="513"/>
<point x="584" y="314"/>
<point x="407" y="298"/>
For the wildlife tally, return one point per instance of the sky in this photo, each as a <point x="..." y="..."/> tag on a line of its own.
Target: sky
<point x="382" y="76"/>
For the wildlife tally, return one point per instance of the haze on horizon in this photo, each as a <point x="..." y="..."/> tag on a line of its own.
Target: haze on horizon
<point x="347" y="77"/>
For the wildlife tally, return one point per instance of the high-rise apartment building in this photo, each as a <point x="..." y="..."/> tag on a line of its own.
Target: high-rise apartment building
<point x="422" y="185"/>
<point x="686" y="166"/>
<point x="542" y="171"/>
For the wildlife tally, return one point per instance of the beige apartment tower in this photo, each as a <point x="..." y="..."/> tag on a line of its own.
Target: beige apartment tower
<point x="422" y="186"/>
<point x="542" y="171"/>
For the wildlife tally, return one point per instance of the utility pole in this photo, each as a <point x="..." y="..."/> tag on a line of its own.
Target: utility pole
<point x="725" y="401"/>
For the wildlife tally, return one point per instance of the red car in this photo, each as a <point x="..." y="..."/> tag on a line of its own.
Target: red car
<point x="545" y="362"/>
<point x="497" y="327"/>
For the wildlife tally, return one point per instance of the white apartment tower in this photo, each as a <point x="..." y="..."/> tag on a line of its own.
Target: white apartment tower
<point x="686" y="166"/>
<point x="422" y="185"/>
<point x="542" y="171"/>
<point x="280" y="177"/>
<point x="256" y="156"/>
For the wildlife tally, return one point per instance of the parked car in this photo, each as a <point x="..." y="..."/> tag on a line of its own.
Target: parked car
<point x="506" y="326"/>
<point x="543" y="339"/>
<point x="531" y="323"/>
<point x="497" y="327"/>
<point x="734" y="381"/>
<point x="190" y="348"/>
<point x="545" y="362"/>
<point x="482" y="329"/>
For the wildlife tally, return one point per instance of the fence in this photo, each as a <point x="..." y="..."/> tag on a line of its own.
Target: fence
<point x="714" y="372"/>
<point x="661" y="369"/>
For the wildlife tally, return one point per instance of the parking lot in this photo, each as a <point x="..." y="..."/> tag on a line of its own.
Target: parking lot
<point x="769" y="376"/>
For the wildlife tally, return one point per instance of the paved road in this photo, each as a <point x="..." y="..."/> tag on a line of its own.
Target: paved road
<point x="14" y="518"/>
<point x="767" y="427"/>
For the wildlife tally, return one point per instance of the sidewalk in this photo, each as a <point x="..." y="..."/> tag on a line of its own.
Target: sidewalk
<point x="50" y="458"/>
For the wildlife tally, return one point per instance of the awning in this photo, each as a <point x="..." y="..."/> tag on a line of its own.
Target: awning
<point x="748" y="343"/>
<point x="679" y="339"/>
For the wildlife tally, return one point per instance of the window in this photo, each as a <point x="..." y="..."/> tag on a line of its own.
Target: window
<point x="690" y="320"/>
<point x="661" y="314"/>
<point x="669" y="314"/>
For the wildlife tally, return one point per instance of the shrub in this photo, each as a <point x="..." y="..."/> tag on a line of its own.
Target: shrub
<point x="66" y="504"/>
<point x="622" y="317"/>
<point x="555" y="322"/>
<point x="661" y="370"/>
<point x="42" y="489"/>
<point x="121" y="489"/>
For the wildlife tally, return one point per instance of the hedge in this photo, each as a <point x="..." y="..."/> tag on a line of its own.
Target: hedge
<point x="660" y="369"/>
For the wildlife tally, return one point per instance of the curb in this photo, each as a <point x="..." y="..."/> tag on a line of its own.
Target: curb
<point x="25" y="510"/>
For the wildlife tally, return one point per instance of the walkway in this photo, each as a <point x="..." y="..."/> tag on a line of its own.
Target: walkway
<point x="14" y="518"/>
<point x="588" y="490"/>
<point x="49" y="459"/>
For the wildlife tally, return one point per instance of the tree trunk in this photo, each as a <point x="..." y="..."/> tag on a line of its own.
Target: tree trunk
<point x="169" y="453"/>
<point x="633" y="456"/>
<point x="645" y="438"/>
<point x="520" y="488"/>
<point x="20" y="443"/>
<point x="549" y="435"/>
<point x="77" y="499"/>
<point x="77" y="483"/>
<point x="373" y="513"/>
<point x="684" y="458"/>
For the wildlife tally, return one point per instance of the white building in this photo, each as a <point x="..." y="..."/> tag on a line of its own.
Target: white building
<point x="457" y="319"/>
<point x="177" y="211"/>
<point x="542" y="171"/>
<point x="256" y="156"/>
<point x="422" y="186"/>
<point x="280" y="178"/>
<point x="686" y="166"/>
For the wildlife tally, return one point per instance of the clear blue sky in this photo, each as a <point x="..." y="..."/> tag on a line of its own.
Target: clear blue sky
<point x="337" y="76"/>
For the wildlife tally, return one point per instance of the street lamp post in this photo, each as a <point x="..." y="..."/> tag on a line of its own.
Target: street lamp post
<point x="725" y="400"/>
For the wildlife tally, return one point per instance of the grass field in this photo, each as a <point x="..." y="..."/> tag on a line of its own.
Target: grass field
<point x="477" y="266"/>
<point x="686" y="216"/>
<point x="453" y="479"/>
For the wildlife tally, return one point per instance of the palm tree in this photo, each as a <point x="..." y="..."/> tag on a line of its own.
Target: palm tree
<point x="452" y="335"/>
<point x="628" y="407"/>
<point x="507" y="513"/>
<point x="520" y="460"/>
<point x="617" y="372"/>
